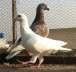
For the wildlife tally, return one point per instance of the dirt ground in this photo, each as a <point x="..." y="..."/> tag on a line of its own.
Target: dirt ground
<point x="68" y="35"/>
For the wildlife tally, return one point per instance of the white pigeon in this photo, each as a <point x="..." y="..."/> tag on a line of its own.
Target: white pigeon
<point x="36" y="44"/>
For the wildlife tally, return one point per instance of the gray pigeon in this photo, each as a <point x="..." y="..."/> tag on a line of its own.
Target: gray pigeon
<point x="39" y="25"/>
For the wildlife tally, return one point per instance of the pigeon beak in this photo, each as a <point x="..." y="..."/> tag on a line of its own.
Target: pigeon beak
<point x="47" y="9"/>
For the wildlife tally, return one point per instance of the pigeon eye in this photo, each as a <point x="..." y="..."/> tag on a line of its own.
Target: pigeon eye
<point x="19" y="15"/>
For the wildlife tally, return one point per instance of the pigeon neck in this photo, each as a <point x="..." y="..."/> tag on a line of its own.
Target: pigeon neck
<point x="39" y="16"/>
<point x="24" y="26"/>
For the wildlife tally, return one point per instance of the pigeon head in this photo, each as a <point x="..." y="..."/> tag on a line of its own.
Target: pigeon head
<point x="42" y="6"/>
<point x="21" y="18"/>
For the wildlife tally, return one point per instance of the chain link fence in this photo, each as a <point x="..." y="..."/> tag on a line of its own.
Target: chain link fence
<point x="62" y="14"/>
<point x="6" y="18"/>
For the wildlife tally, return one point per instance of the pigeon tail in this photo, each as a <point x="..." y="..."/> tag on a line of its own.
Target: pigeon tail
<point x="65" y="49"/>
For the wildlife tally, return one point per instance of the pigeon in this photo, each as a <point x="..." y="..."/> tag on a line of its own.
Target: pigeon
<point x="38" y="45"/>
<point x="38" y="25"/>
